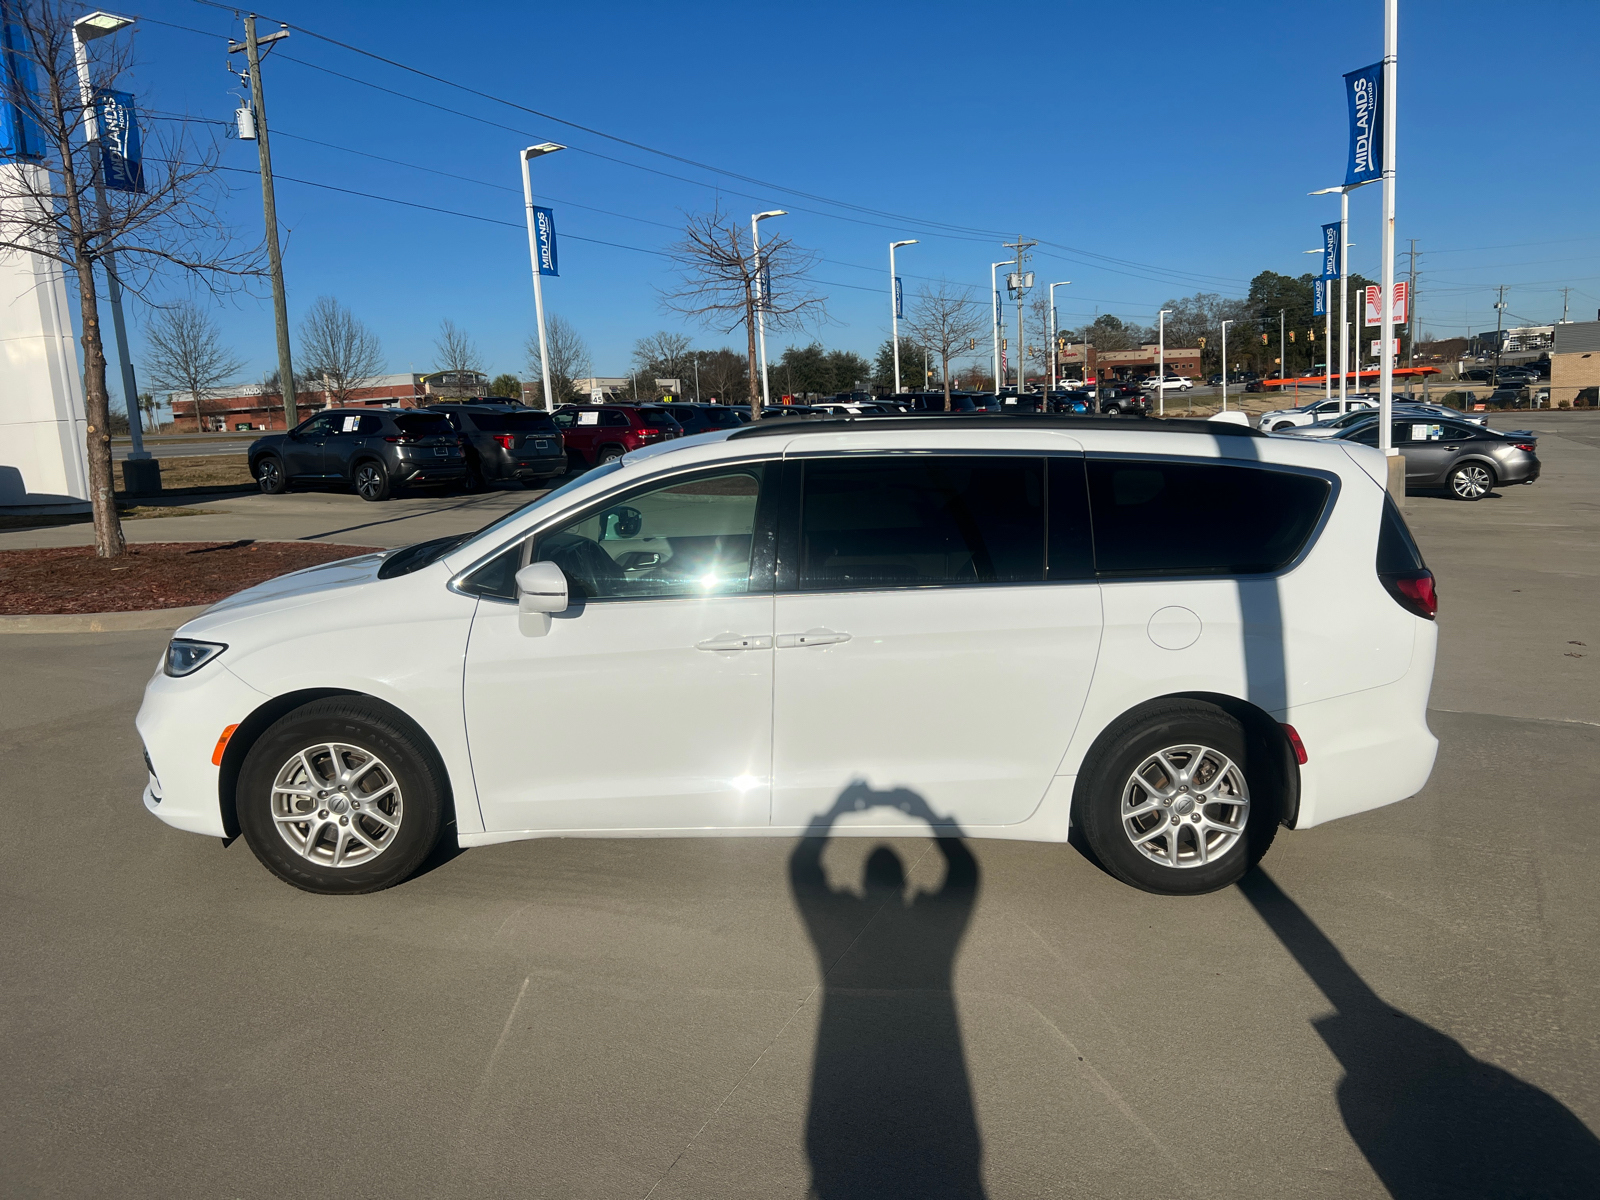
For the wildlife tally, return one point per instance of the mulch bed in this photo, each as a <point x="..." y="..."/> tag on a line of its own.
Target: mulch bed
<point x="151" y="575"/>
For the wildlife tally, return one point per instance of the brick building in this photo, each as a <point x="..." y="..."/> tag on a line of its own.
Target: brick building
<point x="1134" y="364"/>
<point x="247" y="406"/>
<point x="1575" y="363"/>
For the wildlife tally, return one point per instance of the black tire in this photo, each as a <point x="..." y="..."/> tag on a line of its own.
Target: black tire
<point x="270" y="476"/>
<point x="1127" y="747"/>
<point x="1281" y="425"/>
<point x="1471" y="481"/>
<point x="1112" y="410"/>
<point x="360" y="728"/>
<point x="372" y="481"/>
<point x="608" y="454"/>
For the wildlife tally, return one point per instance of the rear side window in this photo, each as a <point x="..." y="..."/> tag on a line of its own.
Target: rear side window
<point x="906" y="522"/>
<point x="424" y="425"/>
<point x="657" y="416"/>
<point x="612" y="418"/>
<point x="512" y="422"/>
<point x="1397" y="550"/>
<point x="1179" y="518"/>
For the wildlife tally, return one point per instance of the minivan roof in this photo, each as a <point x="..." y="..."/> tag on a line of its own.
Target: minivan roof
<point x="1059" y="423"/>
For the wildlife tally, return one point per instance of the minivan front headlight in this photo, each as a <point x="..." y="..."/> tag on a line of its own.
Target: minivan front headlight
<point x="185" y="657"/>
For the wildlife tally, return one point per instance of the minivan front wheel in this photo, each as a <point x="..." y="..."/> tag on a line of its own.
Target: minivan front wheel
<point x="339" y="798"/>
<point x="1166" y="801"/>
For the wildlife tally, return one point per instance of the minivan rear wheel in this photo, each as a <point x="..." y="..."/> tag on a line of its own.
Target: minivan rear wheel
<point x="1169" y="802"/>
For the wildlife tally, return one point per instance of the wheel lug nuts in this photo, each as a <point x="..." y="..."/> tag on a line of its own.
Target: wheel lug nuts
<point x="323" y="813"/>
<point x="344" y="820"/>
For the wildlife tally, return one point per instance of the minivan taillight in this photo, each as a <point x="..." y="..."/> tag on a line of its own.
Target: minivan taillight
<point x="1414" y="592"/>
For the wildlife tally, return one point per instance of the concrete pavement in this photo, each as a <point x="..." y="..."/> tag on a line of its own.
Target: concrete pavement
<point x="1402" y="1003"/>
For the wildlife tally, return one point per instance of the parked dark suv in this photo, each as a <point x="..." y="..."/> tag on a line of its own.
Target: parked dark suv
<point x="599" y="433"/>
<point x="375" y="450"/>
<point x="702" y="418"/>
<point x="507" y="444"/>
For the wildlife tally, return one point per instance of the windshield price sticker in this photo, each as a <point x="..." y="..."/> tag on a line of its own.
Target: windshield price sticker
<point x="350" y="424"/>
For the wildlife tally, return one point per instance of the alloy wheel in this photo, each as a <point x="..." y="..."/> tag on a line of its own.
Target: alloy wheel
<point x="369" y="482"/>
<point x="1185" y="806"/>
<point x="269" y="476"/>
<point x="337" y="805"/>
<point x="1471" y="482"/>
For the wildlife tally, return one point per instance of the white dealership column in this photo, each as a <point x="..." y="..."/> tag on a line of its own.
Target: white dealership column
<point x="44" y="467"/>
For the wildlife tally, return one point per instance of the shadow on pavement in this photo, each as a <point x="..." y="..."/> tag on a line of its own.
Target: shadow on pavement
<point x="891" y="1111"/>
<point x="1432" y="1120"/>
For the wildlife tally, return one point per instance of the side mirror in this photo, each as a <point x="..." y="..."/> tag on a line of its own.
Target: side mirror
<point x="541" y="588"/>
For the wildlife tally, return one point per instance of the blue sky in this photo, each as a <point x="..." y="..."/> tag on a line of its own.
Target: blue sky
<point x="1162" y="148"/>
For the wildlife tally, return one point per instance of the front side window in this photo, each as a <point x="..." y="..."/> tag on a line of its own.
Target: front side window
<point x="320" y="425"/>
<point x="691" y="537"/>
<point x="1182" y="518"/>
<point x="908" y="521"/>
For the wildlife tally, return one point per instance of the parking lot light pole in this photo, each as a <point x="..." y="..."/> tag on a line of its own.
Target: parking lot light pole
<point x="528" y="155"/>
<point x="994" y="317"/>
<point x="761" y="298"/>
<point x="894" y="310"/>
<point x="1225" y="325"/>
<point x="1161" y="359"/>
<point x="1327" y="339"/>
<point x="1344" y="283"/>
<point x="1054" y="356"/>
<point x="86" y="29"/>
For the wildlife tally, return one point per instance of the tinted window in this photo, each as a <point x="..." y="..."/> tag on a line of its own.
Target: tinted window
<point x="1397" y="551"/>
<point x="319" y="426"/>
<point x="720" y="418"/>
<point x="904" y="521"/>
<point x="357" y="423"/>
<point x="424" y="425"/>
<point x="1174" y="518"/>
<point x="611" y="418"/>
<point x="1070" y="545"/>
<point x="512" y="422"/>
<point x="687" y="538"/>
<point x="657" y="416"/>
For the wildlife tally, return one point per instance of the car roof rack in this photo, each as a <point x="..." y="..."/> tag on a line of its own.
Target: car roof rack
<point x="1059" y="422"/>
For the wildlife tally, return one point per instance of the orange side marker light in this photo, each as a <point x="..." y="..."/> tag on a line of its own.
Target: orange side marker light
<point x="222" y="744"/>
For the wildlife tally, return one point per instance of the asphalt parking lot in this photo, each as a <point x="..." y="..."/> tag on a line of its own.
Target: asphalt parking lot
<point x="1400" y="1003"/>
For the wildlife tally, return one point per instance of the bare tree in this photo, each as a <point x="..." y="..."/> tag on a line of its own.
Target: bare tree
<point x="339" y="351"/>
<point x="50" y="205"/>
<point x="945" y="319"/>
<point x="721" y="280"/>
<point x="569" y="359"/>
<point x="454" y="350"/>
<point x="722" y="373"/>
<point x="666" y="355"/>
<point x="184" y="353"/>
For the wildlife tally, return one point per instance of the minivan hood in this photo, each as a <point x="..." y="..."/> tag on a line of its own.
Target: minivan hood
<point x="326" y="577"/>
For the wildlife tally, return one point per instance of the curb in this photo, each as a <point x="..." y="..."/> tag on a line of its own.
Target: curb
<point x="112" y="622"/>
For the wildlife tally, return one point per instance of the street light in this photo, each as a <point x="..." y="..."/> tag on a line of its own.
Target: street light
<point x="1054" y="355"/>
<point x="1225" y="325"/>
<point x="85" y="30"/>
<point x="527" y="156"/>
<point x="761" y="296"/>
<point x="894" y="310"/>
<point x="1161" y="362"/>
<point x="994" y="301"/>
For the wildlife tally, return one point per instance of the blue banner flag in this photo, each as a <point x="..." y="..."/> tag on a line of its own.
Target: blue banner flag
<point x="899" y="299"/>
<point x="544" y="232"/>
<point x="19" y="136"/>
<point x="120" y="162"/>
<point x="1330" y="251"/>
<point x="1319" y="297"/>
<point x="1364" y="90"/>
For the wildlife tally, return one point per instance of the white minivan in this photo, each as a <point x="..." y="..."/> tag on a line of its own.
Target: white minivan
<point x="1176" y="636"/>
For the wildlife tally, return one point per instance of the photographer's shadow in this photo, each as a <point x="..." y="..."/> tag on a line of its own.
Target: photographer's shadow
<point x="891" y="1110"/>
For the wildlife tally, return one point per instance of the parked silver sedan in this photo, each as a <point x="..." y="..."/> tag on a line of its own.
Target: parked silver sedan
<point x="1468" y="461"/>
<point x="1337" y="425"/>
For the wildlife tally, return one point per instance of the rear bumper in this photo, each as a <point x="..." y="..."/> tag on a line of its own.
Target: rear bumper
<point x="427" y="472"/>
<point x="536" y="468"/>
<point x="1370" y="748"/>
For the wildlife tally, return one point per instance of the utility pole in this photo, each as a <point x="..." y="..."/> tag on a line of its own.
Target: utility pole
<point x="1024" y="282"/>
<point x="1390" y="99"/>
<point x="994" y="289"/>
<point x="1283" y="354"/>
<point x="1499" y="317"/>
<point x="269" y="205"/>
<point x="1411" y="320"/>
<point x="1564" y="295"/>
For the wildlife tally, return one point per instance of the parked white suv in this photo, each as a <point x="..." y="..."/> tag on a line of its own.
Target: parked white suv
<point x="1142" y="630"/>
<point x="1168" y="383"/>
<point x="1309" y="414"/>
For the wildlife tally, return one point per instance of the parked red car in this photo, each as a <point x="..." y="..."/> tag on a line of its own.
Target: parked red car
<point x="598" y="433"/>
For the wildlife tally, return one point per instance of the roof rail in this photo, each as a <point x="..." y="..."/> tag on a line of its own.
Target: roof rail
<point x="1065" y="423"/>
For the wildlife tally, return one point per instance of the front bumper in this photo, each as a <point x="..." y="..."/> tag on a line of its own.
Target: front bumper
<point x="179" y="723"/>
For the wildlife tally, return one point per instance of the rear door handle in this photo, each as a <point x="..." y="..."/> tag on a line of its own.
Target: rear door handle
<point x="735" y="641"/>
<point x="811" y="637"/>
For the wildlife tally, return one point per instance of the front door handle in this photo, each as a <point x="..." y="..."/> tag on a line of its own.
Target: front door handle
<point x="811" y="637"/>
<point x="735" y="641"/>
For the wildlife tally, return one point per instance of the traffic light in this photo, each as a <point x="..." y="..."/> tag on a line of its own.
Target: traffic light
<point x="1291" y="335"/>
<point x="1311" y="335"/>
<point x="972" y="343"/>
<point x="1263" y="339"/>
<point x="1202" y="343"/>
